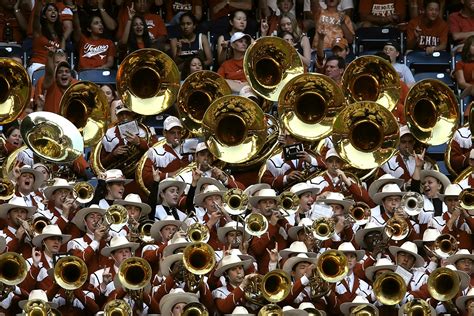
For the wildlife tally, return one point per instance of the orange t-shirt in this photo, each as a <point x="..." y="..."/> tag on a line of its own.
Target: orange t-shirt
<point x="53" y="97"/>
<point x="330" y="22"/>
<point x="232" y="69"/>
<point x="40" y="53"/>
<point x="156" y="25"/>
<point x="94" y="53"/>
<point x="467" y="69"/>
<point x="430" y="35"/>
<point x="383" y="8"/>
<point x="65" y="14"/>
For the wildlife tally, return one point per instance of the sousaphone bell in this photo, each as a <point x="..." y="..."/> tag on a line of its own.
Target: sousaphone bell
<point x="431" y="112"/>
<point x="148" y="81"/>
<point x="234" y="128"/>
<point x="269" y="63"/>
<point x="366" y="135"/>
<point x="308" y="105"/>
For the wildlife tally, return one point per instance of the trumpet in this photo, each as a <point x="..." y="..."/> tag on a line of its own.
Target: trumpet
<point x="397" y="228"/>
<point x="360" y="212"/>
<point x="198" y="232"/>
<point x="117" y="307"/>
<point x="332" y="266"/>
<point x="412" y="203"/>
<point x="323" y="228"/>
<point x="84" y="192"/>
<point x="390" y="288"/>
<point x="235" y="201"/>
<point x="445" y="246"/>
<point x="288" y="203"/>
<point x="195" y="309"/>
<point x="256" y="224"/>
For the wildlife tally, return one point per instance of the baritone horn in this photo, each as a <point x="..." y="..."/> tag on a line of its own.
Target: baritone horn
<point x="466" y="199"/>
<point x="432" y="112"/>
<point x="70" y="272"/>
<point x="134" y="273"/>
<point x="288" y="203"/>
<point x="323" y="228"/>
<point x="396" y="228"/>
<point x="276" y="286"/>
<point x="235" y="201"/>
<point x="7" y="189"/>
<point x="443" y="284"/>
<point x="198" y="232"/>
<point x="256" y="224"/>
<point x="332" y="266"/>
<point x="269" y="63"/>
<point x="195" y="309"/>
<point x="390" y="288"/>
<point x="199" y="258"/>
<point x="412" y="203"/>
<point x="360" y="212"/>
<point x="84" y="192"/>
<point x="117" y="307"/>
<point x="445" y="246"/>
<point x="13" y="268"/>
<point x="115" y="215"/>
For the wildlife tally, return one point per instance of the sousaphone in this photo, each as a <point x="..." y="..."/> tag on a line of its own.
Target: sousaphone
<point x="308" y="105"/>
<point x="365" y="134"/>
<point x="196" y="94"/>
<point x="148" y="81"/>
<point x="15" y="90"/>
<point x="269" y="63"/>
<point x="85" y="105"/>
<point x="431" y="112"/>
<point x="371" y="78"/>
<point x="234" y="129"/>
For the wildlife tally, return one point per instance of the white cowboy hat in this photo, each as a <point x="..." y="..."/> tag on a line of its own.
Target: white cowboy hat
<point x="383" y="180"/>
<point x="294" y="230"/>
<point x="170" y="122"/>
<point x="295" y="248"/>
<point x="210" y="190"/>
<point x="360" y="234"/>
<point x="118" y="242"/>
<point x="201" y="146"/>
<point x="381" y="264"/>
<point x="437" y="175"/>
<point x="50" y="231"/>
<point x="78" y="219"/>
<point x="39" y="178"/>
<point x="462" y="300"/>
<point x="231" y="226"/>
<point x="58" y="183"/>
<point x="16" y="202"/>
<point x="238" y="253"/>
<point x="337" y="198"/>
<point x="290" y="311"/>
<point x="358" y="300"/>
<point x="116" y="175"/>
<point x="263" y="194"/>
<point x="157" y="226"/>
<point x="452" y="190"/>
<point x="168" y="261"/>
<point x="174" y="297"/>
<point x="205" y="181"/>
<point x="291" y="262"/>
<point x="348" y="247"/>
<point x="175" y="243"/>
<point x="37" y="294"/>
<point x="429" y="235"/>
<point x="231" y="261"/>
<point x="254" y="188"/>
<point x="408" y="247"/>
<point x="304" y="187"/>
<point x="170" y="182"/>
<point x="461" y="254"/>
<point x="239" y="310"/>
<point x="390" y="189"/>
<point x="135" y="200"/>
<point x="464" y="278"/>
<point x="311" y="309"/>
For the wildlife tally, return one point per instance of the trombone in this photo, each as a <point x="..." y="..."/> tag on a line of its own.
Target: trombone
<point x="255" y="224"/>
<point x="199" y="258"/>
<point x="396" y="228"/>
<point x="134" y="273"/>
<point x="198" y="232"/>
<point x="276" y="286"/>
<point x="13" y="268"/>
<point x="412" y="203"/>
<point x="443" y="284"/>
<point x="235" y="201"/>
<point x="7" y="189"/>
<point x="288" y="203"/>
<point x="466" y="199"/>
<point x="115" y="215"/>
<point x="323" y="228"/>
<point x="70" y="272"/>
<point x="83" y="192"/>
<point x="416" y="307"/>
<point x="195" y="309"/>
<point x="360" y="212"/>
<point x="445" y="246"/>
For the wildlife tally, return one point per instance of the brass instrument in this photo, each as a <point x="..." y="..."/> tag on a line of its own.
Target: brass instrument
<point x="443" y="284"/>
<point x="288" y="203"/>
<point x="235" y="201"/>
<point x="144" y="231"/>
<point x="139" y="166"/>
<point x="70" y="272"/>
<point x="416" y="307"/>
<point x="85" y="105"/>
<point x="7" y="189"/>
<point x="37" y="224"/>
<point x="412" y="203"/>
<point x="276" y="286"/>
<point x="36" y="308"/>
<point x="364" y="310"/>
<point x="198" y="232"/>
<point x="445" y="246"/>
<point x="466" y="199"/>
<point x="360" y="212"/>
<point x="431" y="112"/>
<point x="253" y="290"/>
<point x="134" y="273"/>
<point x="52" y="137"/>
<point x="148" y="81"/>
<point x="318" y="286"/>
<point x="371" y="78"/>
<point x="323" y="228"/>
<point x="270" y="310"/>
<point x="366" y="135"/>
<point x="117" y="307"/>
<point x="115" y="215"/>
<point x="396" y="228"/>
<point x="389" y="288"/>
<point x="234" y="129"/>
<point x="13" y="268"/>
<point x="332" y="266"/>
<point x="256" y="224"/>
<point x="195" y="309"/>
<point x="196" y="94"/>
<point x="9" y="163"/>
<point x="269" y="64"/>
<point x="15" y="90"/>
<point x="84" y="192"/>
<point x="199" y="258"/>
<point x="308" y="105"/>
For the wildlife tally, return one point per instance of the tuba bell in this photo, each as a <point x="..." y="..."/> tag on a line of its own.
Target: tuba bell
<point x="412" y="203"/>
<point x="117" y="307"/>
<point x="7" y="189"/>
<point x="255" y="224"/>
<point x="234" y="129"/>
<point x="235" y="201"/>
<point x="288" y="203"/>
<point x="389" y="288"/>
<point x="148" y="81"/>
<point x="13" y="268"/>
<point x="276" y="286"/>
<point x="396" y="228"/>
<point x="195" y="309"/>
<point x="443" y="284"/>
<point x="269" y="63"/>
<point x="360" y="212"/>
<point x="332" y="266"/>
<point x="15" y="90"/>
<point x="431" y="112"/>
<point x="366" y="135"/>
<point x="84" y="192"/>
<point x="371" y="78"/>
<point x="198" y="232"/>
<point x="199" y="258"/>
<point x="323" y="228"/>
<point x="445" y="246"/>
<point x="85" y="105"/>
<point x="466" y="199"/>
<point x="36" y="308"/>
<point x="134" y="273"/>
<point x="308" y="105"/>
<point x="196" y="94"/>
<point x="70" y="272"/>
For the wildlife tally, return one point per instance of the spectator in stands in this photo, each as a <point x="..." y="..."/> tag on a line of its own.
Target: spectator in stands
<point x="174" y="9"/>
<point x="417" y="7"/>
<point x="340" y="47"/>
<point x="98" y="8"/>
<point x="392" y="49"/>
<point x="269" y="23"/>
<point x="190" y="65"/>
<point x="428" y="32"/>
<point x="334" y="68"/>
<point x="238" y="23"/>
<point x="345" y="6"/>
<point x="381" y="12"/>
<point x="190" y="43"/>
<point x="233" y="69"/>
<point x="289" y="37"/>
<point x="464" y="70"/>
<point x="135" y="35"/>
<point x="12" y="138"/>
<point x="13" y="24"/>
<point x="289" y="24"/>
<point x="461" y="24"/>
<point x="95" y="52"/>
<point x="221" y="10"/>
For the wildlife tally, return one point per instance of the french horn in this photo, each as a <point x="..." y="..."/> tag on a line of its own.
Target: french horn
<point x="366" y="135"/>
<point x="332" y="266"/>
<point x="389" y="288"/>
<point x="308" y="105"/>
<point x="148" y="81"/>
<point x="70" y="272"/>
<point x="269" y="63"/>
<point x="85" y="105"/>
<point x="371" y="78"/>
<point x="196" y="94"/>
<point x="431" y="112"/>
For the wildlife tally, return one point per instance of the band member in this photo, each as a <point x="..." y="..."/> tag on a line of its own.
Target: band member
<point x="111" y="187"/>
<point x="28" y="181"/>
<point x="173" y="304"/>
<point x="165" y="200"/>
<point x="137" y="211"/>
<point x="407" y="257"/>
<point x="233" y="236"/>
<point x="306" y="194"/>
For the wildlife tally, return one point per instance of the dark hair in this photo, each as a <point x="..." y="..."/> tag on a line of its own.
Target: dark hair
<point x="341" y="63"/>
<point x="466" y="55"/>
<point x="189" y="15"/>
<point x="383" y="55"/>
<point x="58" y="27"/>
<point x="426" y="2"/>
<point x="90" y="18"/>
<point x="9" y="128"/>
<point x="132" y="37"/>
<point x="232" y="16"/>
<point x="187" y="64"/>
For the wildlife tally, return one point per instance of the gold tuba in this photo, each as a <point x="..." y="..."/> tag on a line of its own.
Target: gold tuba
<point x="269" y="63"/>
<point x="195" y="309"/>
<point x="431" y="112"/>
<point x="466" y="199"/>
<point x="148" y="81"/>
<point x="332" y="266"/>
<point x="36" y="308"/>
<point x="196" y="94"/>
<point x="234" y="129"/>
<point x="412" y="203"/>
<point x="235" y="201"/>
<point x="396" y="228"/>
<point x="84" y="192"/>
<point x="52" y="137"/>
<point x="134" y="273"/>
<point x="366" y="135"/>
<point x="443" y="284"/>
<point x="15" y="90"/>
<point x="416" y="307"/>
<point x="276" y="286"/>
<point x="360" y="212"/>
<point x="323" y="228"/>
<point x="445" y="246"/>
<point x="288" y="203"/>
<point x="7" y="189"/>
<point x="371" y="78"/>
<point x="199" y="258"/>
<point x="256" y="224"/>
<point x="198" y="232"/>
<point x="308" y="105"/>
<point x="13" y="268"/>
<point x="70" y="272"/>
<point x="390" y="288"/>
<point x="85" y="105"/>
<point x="117" y="307"/>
